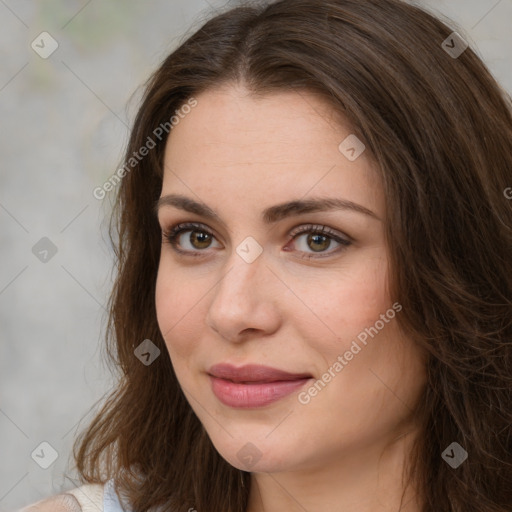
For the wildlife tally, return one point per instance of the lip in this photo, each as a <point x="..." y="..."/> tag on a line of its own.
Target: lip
<point x="253" y="385"/>
<point x="253" y="373"/>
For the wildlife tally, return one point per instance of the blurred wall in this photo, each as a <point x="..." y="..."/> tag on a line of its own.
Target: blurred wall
<point x="68" y="70"/>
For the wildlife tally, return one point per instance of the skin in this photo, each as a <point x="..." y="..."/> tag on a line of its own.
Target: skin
<point x="240" y="154"/>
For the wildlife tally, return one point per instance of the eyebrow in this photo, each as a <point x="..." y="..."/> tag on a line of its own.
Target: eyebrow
<point x="270" y="215"/>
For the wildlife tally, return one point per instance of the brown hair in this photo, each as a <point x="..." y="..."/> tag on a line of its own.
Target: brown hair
<point x="440" y="129"/>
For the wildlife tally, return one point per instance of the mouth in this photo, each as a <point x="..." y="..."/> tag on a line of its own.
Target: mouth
<point x="253" y="386"/>
<point x="249" y="382"/>
<point x="253" y="373"/>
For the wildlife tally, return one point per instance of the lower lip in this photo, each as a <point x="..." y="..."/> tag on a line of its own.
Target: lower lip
<point x="253" y="395"/>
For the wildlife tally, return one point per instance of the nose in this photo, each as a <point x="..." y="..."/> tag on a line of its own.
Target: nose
<point x="245" y="301"/>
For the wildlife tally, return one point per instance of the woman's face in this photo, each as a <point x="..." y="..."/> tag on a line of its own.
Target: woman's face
<point x="250" y="289"/>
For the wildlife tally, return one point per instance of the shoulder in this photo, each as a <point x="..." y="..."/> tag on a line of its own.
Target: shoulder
<point x="58" y="503"/>
<point x="86" y="498"/>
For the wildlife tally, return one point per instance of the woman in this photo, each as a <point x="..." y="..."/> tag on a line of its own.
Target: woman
<point x="313" y="306"/>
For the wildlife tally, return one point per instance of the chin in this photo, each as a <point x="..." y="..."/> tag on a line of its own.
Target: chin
<point x="257" y="455"/>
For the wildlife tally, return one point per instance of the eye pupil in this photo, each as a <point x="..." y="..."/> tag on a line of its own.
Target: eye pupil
<point x="315" y="237"/>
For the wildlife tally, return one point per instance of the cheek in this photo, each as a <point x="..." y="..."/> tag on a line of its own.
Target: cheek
<point x="343" y="304"/>
<point x="176" y="305"/>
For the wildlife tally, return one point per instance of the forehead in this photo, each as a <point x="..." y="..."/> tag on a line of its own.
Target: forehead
<point x="268" y="148"/>
<point x="231" y="117"/>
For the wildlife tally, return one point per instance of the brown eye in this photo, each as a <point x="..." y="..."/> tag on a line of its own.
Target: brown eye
<point x="199" y="238"/>
<point x="322" y="242"/>
<point x="318" y="240"/>
<point x="202" y="239"/>
<point x="196" y="236"/>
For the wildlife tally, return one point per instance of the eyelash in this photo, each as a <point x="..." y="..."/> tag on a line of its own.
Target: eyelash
<point x="170" y="236"/>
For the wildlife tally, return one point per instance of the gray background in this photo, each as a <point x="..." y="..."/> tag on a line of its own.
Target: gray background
<point x="63" y="128"/>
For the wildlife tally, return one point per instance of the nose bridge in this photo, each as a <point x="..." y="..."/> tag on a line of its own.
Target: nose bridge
<point x="246" y="267"/>
<point x="243" y="281"/>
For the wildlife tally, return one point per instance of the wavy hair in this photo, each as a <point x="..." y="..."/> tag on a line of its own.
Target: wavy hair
<point x="439" y="127"/>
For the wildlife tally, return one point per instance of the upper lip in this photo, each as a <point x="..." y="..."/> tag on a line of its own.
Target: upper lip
<point x="253" y="373"/>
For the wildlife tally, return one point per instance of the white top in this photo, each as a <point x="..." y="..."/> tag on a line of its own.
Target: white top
<point x="89" y="498"/>
<point x="110" y="500"/>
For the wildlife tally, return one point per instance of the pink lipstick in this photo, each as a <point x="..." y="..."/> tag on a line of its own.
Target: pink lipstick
<point x="253" y="385"/>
